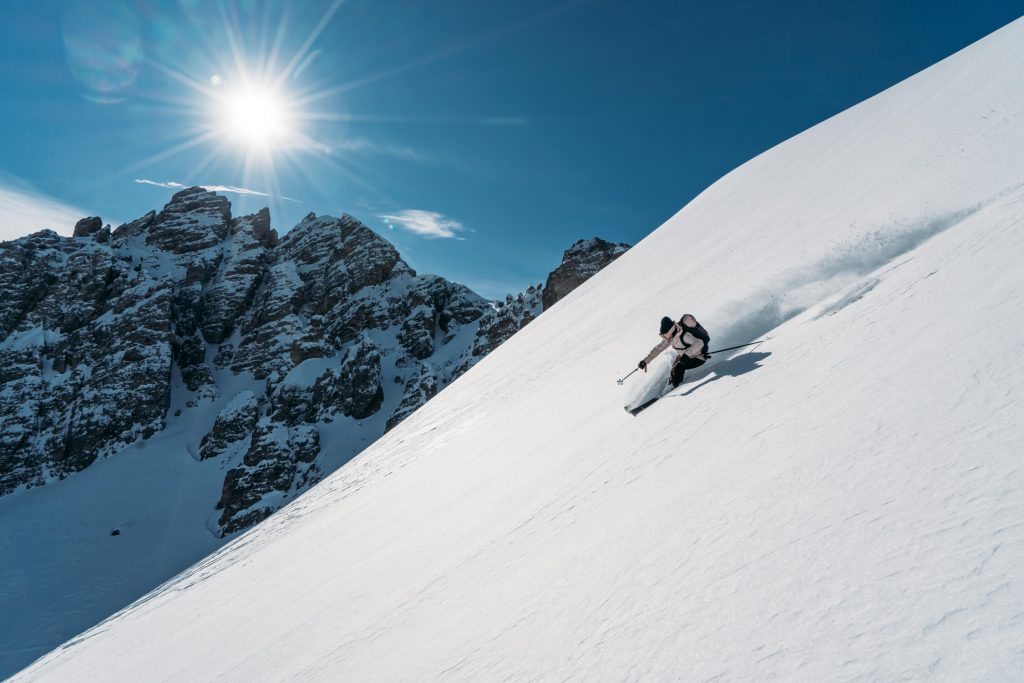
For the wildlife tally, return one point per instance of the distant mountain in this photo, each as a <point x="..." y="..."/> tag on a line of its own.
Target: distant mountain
<point x="263" y="345"/>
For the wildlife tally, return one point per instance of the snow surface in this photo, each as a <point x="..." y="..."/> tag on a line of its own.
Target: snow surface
<point x="845" y="501"/>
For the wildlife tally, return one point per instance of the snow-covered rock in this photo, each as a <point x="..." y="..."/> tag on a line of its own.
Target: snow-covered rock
<point x="505" y="318"/>
<point x="106" y="334"/>
<point x="233" y="288"/>
<point x="419" y="388"/>
<point x="194" y="221"/>
<point x="234" y="424"/>
<point x="86" y="355"/>
<point x="280" y="459"/>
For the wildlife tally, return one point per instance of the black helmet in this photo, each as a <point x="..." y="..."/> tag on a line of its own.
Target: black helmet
<point x="666" y="325"/>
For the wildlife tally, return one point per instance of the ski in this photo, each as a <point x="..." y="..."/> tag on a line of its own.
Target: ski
<point x="636" y="411"/>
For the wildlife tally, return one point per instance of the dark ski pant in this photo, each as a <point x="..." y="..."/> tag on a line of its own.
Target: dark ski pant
<point x="682" y="364"/>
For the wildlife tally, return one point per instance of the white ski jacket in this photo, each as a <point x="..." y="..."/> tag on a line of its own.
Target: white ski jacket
<point x="681" y="341"/>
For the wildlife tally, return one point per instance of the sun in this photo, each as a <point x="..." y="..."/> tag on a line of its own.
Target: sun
<point x="258" y="118"/>
<point x="246" y="105"/>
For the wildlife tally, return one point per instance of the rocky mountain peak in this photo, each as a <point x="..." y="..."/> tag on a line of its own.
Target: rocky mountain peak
<point x="87" y="226"/>
<point x="317" y="241"/>
<point x="580" y="262"/>
<point x="258" y="225"/>
<point x="194" y="219"/>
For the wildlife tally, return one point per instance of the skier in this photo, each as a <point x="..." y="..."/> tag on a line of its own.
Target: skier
<point x="688" y="338"/>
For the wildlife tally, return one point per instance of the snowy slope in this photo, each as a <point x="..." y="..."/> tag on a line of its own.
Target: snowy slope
<point x="844" y="501"/>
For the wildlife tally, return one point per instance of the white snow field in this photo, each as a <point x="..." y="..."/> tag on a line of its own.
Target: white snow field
<point x="845" y="501"/>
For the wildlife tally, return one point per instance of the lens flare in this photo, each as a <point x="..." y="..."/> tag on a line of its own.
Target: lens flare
<point x="103" y="46"/>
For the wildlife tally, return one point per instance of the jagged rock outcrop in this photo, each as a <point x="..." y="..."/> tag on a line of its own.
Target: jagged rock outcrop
<point x="87" y="226"/>
<point x="580" y="262"/>
<point x="351" y="389"/>
<point x="234" y="424"/>
<point x="195" y="220"/>
<point x="323" y="333"/>
<point x="420" y="388"/>
<point x="233" y="287"/>
<point x="355" y="389"/>
<point x="280" y="460"/>
<point x="505" y="319"/>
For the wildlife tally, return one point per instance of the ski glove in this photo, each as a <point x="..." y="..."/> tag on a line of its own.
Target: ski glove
<point x="643" y="365"/>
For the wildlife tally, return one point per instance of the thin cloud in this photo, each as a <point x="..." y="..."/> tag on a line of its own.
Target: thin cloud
<point x="214" y="188"/>
<point x="242" y="190"/>
<point x="24" y="211"/>
<point x="154" y="183"/>
<point x="428" y="224"/>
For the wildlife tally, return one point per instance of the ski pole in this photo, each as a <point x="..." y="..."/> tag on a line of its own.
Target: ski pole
<point x="620" y="381"/>
<point x="759" y="341"/>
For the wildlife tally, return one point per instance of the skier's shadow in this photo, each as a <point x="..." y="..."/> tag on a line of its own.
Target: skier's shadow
<point x="734" y="367"/>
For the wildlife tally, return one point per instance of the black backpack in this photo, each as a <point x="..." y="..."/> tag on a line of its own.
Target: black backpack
<point x="697" y="330"/>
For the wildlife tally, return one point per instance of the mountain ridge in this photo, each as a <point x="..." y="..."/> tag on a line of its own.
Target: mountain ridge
<point x="192" y="292"/>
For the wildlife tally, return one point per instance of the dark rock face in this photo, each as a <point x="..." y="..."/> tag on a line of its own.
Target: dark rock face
<point x="417" y="333"/>
<point x="233" y="425"/>
<point x="354" y="390"/>
<point x="86" y="357"/>
<point x="419" y="389"/>
<point x="87" y="226"/>
<point x="233" y="287"/>
<point x="325" y="332"/>
<point x="580" y="262"/>
<point x="278" y="458"/>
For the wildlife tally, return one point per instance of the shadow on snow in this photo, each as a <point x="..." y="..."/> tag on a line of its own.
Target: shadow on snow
<point x="733" y="367"/>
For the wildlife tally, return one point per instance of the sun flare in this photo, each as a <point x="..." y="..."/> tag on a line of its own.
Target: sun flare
<point x="246" y="104"/>
<point x="257" y="118"/>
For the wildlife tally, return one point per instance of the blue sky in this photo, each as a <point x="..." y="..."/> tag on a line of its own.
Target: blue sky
<point x="482" y="138"/>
